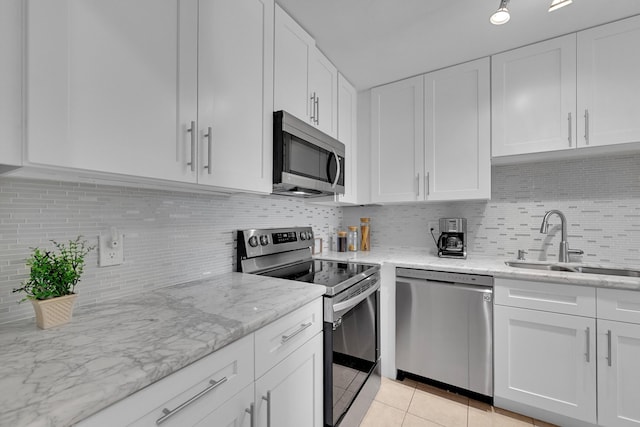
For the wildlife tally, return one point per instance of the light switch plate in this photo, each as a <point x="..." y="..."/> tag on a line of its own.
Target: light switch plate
<point x="109" y="253"/>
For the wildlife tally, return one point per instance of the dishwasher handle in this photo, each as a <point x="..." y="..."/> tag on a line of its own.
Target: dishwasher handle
<point x="461" y="286"/>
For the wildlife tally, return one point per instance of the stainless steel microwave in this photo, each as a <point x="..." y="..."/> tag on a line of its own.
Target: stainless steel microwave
<point x="306" y="161"/>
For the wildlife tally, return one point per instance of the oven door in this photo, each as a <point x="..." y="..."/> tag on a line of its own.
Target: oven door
<point x="351" y="349"/>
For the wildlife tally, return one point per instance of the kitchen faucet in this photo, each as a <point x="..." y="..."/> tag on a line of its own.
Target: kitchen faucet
<point x="564" y="251"/>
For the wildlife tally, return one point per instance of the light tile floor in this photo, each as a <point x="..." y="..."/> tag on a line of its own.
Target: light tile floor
<point x="413" y="404"/>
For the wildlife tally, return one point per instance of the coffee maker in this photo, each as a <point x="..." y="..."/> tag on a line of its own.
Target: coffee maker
<point x="452" y="242"/>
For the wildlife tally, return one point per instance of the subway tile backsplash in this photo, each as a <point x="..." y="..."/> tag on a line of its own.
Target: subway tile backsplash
<point x="170" y="237"/>
<point x="600" y="197"/>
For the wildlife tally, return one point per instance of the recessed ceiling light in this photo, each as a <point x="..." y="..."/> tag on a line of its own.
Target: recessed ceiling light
<point x="557" y="4"/>
<point x="501" y="16"/>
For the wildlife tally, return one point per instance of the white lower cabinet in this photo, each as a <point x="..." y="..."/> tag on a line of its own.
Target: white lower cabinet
<point x="555" y="361"/>
<point x="290" y="394"/>
<point x="228" y="388"/>
<point x="618" y="358"/>
<point x="546" y="360"/>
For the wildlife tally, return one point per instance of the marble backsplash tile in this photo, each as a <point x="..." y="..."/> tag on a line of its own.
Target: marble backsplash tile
<point x="170" y="237"/>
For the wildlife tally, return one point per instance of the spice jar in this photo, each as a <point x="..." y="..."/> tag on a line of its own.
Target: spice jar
<point x="365" y="234"/>
<point x="352" y="239"/>
<point x="342" y="241"/>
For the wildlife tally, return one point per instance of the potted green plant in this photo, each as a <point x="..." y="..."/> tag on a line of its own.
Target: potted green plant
<point x="52" y="281"/>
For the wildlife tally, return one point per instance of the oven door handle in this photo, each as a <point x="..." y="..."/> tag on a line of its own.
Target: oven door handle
<point x="352" y="302"/>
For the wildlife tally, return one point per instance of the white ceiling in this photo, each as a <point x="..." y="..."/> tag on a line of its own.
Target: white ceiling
<point x="378" y="41"/>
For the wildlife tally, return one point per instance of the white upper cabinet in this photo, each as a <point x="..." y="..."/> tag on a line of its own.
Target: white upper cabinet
<point x="153" y="89"/>
<point x="10" y="83"/>
<point x="104" y="81"/>
<point x="235" y="94"/>
<point x="570" y="92"/>
<point x="534" y="98"/>
<point x="397" y="141"/>
<point x="348" y="135"/>
<point x="609" y="84"/>
<point x="305" y="81"/>
<point x="419" y="127"/>
<point x="457" y="153"/>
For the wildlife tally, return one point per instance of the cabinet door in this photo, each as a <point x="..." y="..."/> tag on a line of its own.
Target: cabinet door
<point x="10" y="83"/>
<point x="397" y="141"/>
<point x="293" y="47"/>
<point x="534" y="98"/>
<point x="290" y="394"/>
<point x="457" y="120"/>
<point x="235" y="94"/>
<point x="348" y="135"/>
<point x="618" y="373"/>
<point x="109" y="87"/>
<point x="609" y="83"/>
<point x="235" y="412"/>
<point x="323" y="88"/>
<point x="546" y="360"/>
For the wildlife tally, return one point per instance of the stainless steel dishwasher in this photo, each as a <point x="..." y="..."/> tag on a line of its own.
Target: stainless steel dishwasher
<point x="444" y="328"/>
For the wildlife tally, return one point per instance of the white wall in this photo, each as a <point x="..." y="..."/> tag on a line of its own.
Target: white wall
<point x="599" y="196"/>
<point x="170" y="237"/>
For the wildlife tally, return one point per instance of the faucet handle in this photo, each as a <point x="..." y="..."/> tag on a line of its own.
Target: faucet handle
<point x="521" y="253"/>
<point x="576" y="252"/>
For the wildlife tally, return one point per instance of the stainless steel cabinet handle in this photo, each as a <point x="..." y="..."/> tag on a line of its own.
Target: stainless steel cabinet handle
<point x="417" y="186"/>
<point x="426" y="183"/>
<point x="313" y="108"/>
<point x="317" y="110"/>
<point x="586" y="126"/>
<point x="192" y="130"/>
<point x="251" y="410"/>
<point x="569" y="129"/>
<point x="268" y="400"/>
<point x="609" y="347"/>
<point x="335" y="181"/>
<point x="169" y="413"/>
<point x="209" y="136"/>
<point x="302" y="327"/>
<point x="588" y="353"/>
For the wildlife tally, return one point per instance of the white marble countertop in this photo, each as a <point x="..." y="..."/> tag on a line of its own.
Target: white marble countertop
<point x="59" y="376"/>
<point x="425" y="259"/>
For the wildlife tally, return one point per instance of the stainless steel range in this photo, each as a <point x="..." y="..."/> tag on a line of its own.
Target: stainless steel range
<point x="351" y="314"/>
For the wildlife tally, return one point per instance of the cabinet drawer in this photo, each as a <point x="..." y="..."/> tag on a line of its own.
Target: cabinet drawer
<point x="553" y="297"/>
<point x="231" y="367"/>
<point x="618" y="304"/>
<point x="277" y="340"/>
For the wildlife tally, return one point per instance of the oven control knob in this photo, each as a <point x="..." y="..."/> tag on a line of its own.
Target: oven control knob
<point x="303" y="235"/>
<point x="264" y="240"/>
<point x="310" y="235"/>
<point x="253" y="241"/>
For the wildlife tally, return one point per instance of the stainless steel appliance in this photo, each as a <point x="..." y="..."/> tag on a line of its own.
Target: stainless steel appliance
<point x="306" y="161"/>
<point x="351" y="314"/>
<point x="444" y="324"/>
<point x="452" y="242"/>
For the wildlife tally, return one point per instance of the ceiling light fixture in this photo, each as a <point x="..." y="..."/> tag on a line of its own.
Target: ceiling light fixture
<point x="501" y="16"/>
<point x="557" y="4"/>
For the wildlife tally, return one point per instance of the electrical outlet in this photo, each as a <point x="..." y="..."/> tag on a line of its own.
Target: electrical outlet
<point x="110" y="249"/>
<point x="435" y="225"/>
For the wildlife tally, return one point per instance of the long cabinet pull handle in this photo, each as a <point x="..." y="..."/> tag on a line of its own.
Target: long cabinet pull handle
<point x="209" y="137"/>
<point x="569" y="129"/>
<point x="426" y="183"/>
<point x="267" y="398"/>
<point x="317" y="110"/>
<point x="609" y="347"/>
<point x="251" y="410"/>
<point x="417" y="185"/>
<point x="302" y="327"/>
<point x="588" y="340"/>
<point x="312" y="114"/>
<point x="192" y="130"/>
<point x="169" y="413"/>
<point x="586" y="126"/>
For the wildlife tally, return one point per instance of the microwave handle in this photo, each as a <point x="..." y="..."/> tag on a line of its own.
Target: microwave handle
<point x="339" y="171"/>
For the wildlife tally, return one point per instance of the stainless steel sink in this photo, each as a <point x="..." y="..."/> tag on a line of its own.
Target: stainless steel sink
<point x="626" y="272"/>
